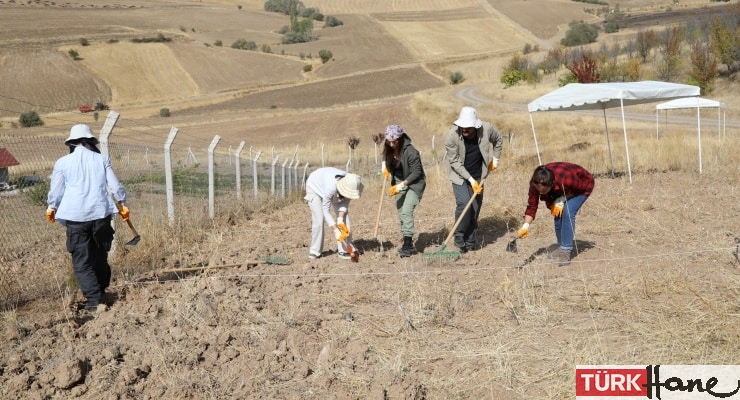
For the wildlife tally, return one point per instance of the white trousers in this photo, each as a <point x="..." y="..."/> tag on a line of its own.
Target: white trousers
<point x="317" y="226"/>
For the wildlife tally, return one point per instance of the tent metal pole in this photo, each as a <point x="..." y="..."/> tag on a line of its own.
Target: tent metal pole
<point x="698" y="127"/>
<point x="626" y="146"/>
<point x="536" y="146"/>
<point x="608" y="142"/>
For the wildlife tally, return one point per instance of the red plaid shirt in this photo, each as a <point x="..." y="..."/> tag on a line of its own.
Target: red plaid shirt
<point x="569" y="179"/>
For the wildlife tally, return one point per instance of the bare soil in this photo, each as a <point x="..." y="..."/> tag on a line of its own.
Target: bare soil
<point x="654" y="280"/>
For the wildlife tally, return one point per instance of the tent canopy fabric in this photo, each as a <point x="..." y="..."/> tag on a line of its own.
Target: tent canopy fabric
<point x="600" y="96"/>
<point x="690" y="102"/>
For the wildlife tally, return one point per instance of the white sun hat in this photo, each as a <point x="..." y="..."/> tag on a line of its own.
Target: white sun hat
<point x="468" y="118"/>
<point x="79" y="131"/>
<point x="350" y="186"/>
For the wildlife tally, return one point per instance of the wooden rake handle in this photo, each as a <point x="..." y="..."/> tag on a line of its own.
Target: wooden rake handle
<point x="462" y="215"/>
<point x="380" y="207"/>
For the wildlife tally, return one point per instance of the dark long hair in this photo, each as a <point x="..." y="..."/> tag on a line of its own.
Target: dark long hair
<point x="389" y="152"/>
<point x="88" y="143"/>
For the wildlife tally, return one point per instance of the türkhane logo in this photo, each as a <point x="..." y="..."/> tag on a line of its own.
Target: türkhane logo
<point x="662" y="382"/>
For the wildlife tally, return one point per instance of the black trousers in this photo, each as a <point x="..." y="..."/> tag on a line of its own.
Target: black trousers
<point x="89" y="243"/>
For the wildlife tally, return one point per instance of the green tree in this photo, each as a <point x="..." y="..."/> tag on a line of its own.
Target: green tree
<point x="703" y="67"/>
<point x="580" y="33"/>
<point x="325" y="56"/>
<point x="74" y="54"/>
<point x="30" y="118"/>
<point x="456" y="77"/>
<point x="645" y="42"/>
<point x="725" y="44"/>
<point x="670" y="49"/>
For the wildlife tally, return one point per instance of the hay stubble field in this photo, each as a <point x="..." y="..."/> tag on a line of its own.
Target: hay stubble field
<point x="655" y="280"/>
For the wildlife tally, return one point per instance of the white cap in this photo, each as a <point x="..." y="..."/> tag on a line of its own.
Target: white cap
<point x="468" y="118"/>
<point x="79" y="131"/>
<point x="350" y="186"/>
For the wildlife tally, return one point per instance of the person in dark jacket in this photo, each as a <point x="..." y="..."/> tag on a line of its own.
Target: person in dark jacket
<point x="402" y="165"/>
<point x="564" y="187"/>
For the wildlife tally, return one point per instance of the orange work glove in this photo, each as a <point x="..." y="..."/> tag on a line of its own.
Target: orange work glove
<point x="523" y="232"/>
<point x="557" y="208"/>
<point x="51" y="215"/>
<point x="477" y="187"/>
<point x="394" y="190"/>
<point x="124" y="212"/>
<point x="386" y="173"/>
<point x="343" y="230"/>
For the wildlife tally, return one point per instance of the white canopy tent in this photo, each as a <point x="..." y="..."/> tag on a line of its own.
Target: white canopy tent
<point x="692" y="102"/>
<point x="600" y="96"/>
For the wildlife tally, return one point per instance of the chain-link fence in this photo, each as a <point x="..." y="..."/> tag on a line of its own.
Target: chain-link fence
<point x="168" y="177"/>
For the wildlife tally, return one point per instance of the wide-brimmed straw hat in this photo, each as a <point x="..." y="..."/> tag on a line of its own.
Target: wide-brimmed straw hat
<point x="350" y="186"/>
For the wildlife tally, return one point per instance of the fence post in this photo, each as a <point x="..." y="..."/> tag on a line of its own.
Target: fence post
<point x="168" y="176"/>
<point x="237" y="160"/>
<point x="211" y="184"/>
<point x="272" y="175"/>
<point x="282" y="178"/>
<point x="255" y="177"/>
<point x="290" y="176"/>
<point x="105" y="132"/>
<point x="303" y="180"/>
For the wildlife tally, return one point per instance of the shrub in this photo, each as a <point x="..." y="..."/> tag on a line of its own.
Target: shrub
<point x="74" y="54"/>
<point x="164" y="112"/>
<point x="511" y="77"/>
<point x="567" y="78"/>
<point x="295" y="37"/>
<point x="580" y="33"/>
<point x="332" y="21"/>
<point x="84" y="42"/>
<point x="283" y="6"/>
<point x="30" y="118"/>
<point x="325" y="56"/>
<point x="307" y="68"/>
<point x="456" y="77"/>
<point x="218" y="43"/>
<point x="266" y="48"/>
<point x="611" y="27"/>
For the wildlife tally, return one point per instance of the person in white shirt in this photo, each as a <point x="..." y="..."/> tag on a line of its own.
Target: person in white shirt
<point x="79" y="200"/>
<point x="331" y="188"/>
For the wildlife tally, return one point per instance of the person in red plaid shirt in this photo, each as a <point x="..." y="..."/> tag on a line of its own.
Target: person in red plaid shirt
<point x="564" y="187"/>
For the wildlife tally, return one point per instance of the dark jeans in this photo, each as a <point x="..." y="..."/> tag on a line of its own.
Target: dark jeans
<point x="89" y="243"/>
<point x="465" y="232"/>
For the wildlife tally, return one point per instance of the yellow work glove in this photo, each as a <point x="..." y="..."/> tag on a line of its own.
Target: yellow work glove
<point x="343" y="230"/>
<point x="386" y="173"/>
<point x="477" y="187"/>
<point x="557" y="208"/>
<point x="523" y="232"/>
<point x="124" y="212"/>
<point x="493" y="164"/>
<point x="394" y="190"/>
<point x="51" y="215"/>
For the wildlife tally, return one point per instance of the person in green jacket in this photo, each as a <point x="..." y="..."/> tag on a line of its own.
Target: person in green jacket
<point x="402" y="165"/>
